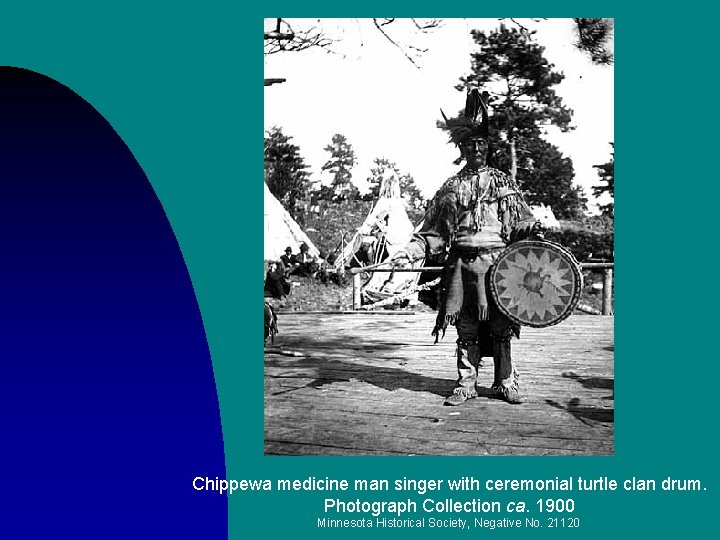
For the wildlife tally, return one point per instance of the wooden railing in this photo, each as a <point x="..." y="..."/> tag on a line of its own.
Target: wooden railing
<point x="607" y="270"/>
<point x="607" y="290"/>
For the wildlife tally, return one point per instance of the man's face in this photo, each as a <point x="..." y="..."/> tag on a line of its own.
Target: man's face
<point x="475" y="151"/>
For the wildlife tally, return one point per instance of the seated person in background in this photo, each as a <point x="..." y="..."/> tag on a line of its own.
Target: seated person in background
<point x="304" y="263"/>
<point x="276" y="284"/>
<point x="287" y="258"/>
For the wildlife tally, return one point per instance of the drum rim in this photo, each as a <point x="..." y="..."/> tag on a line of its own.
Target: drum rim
<point x="577" y="291"/>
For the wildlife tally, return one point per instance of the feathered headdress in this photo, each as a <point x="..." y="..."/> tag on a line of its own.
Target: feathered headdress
<point x="466" y="126"/>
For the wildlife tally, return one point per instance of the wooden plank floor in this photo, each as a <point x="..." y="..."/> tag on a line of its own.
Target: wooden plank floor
<point x="373" y="384"/>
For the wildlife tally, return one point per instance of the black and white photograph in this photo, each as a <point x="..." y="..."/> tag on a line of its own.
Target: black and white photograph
<point x="439" y="237"/>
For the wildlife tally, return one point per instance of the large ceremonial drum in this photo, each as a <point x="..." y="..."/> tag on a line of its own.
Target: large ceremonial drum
<point x="536" y="282"/>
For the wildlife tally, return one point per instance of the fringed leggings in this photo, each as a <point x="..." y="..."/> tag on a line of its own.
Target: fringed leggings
<point x="478" y="339"/>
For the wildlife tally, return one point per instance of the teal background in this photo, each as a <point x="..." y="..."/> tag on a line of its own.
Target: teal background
<point x="181" y="85"/>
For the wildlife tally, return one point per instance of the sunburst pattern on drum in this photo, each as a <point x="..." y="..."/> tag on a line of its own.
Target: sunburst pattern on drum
<point x="535" y="285"/>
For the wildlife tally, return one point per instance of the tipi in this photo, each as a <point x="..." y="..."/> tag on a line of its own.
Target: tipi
<point x="545" y="215"/>
<point x="386" y="228"/>
<point x="281" y="230"/>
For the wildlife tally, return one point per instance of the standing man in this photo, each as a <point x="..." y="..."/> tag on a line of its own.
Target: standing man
<point x="470" y="220"/>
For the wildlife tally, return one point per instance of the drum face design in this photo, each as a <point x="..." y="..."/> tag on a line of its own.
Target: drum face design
<point x="536" y="283"/>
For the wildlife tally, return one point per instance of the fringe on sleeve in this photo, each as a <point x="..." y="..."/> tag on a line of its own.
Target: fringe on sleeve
<point x="441" y="217"/>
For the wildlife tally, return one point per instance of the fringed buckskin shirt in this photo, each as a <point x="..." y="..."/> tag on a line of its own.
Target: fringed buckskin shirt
<point x="471" y="218"/>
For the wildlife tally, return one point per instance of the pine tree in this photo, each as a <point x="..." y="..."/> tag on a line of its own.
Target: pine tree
<point x="342" y="160"/>
<point x="520" y="81"/>
<point x="512" y="68"/>
<point x="606" y="172"/>
<point x="382" y="170"/>
<point x="285" y="171"/>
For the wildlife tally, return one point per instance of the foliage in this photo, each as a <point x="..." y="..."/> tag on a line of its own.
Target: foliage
<point x="323" y="193"/>
<point x="328" y="221"/>
<point x="415" y="203"/>
<point x="585" y="245"/>
<point x="599" y="224"/>
<point x="385" y="169"/>
<point x="512" y="68"/>
<point x="285" y="170"/>
<point x="519" y="81"/>
<point x="606" y="172"/>
<point x="594" y="35"/>
<point x="382" y="170"/>
<point x="545" y="177"/>
<point x="594" y="38"/>
<point x="342" y="160"/>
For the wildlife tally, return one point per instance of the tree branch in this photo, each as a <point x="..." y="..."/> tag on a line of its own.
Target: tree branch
<point x="524" y="29"/>
<point x="280" y="40"/>
<point x="379" y="26"/>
